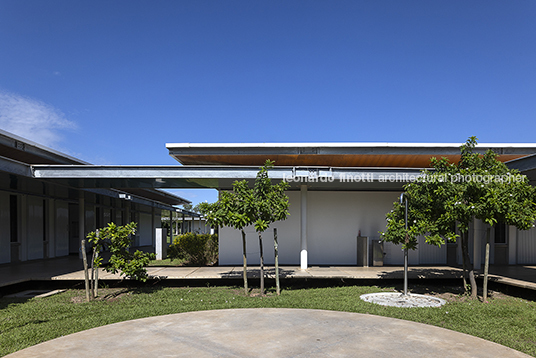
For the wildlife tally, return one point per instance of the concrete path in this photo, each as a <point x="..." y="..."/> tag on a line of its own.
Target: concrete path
<point x="268" y="332"/>
<point x="70" y="268"/>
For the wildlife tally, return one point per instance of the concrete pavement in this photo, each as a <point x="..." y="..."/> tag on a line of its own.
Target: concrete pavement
<point x="70" y="268"/>
<point x="268" y="332"/>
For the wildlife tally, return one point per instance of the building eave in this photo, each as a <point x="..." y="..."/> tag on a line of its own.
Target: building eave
<point x="223" y="177"/>
<point x="412" y="155"/>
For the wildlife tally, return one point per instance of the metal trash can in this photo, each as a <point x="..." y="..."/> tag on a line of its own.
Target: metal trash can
<point x="362" y="251"/>
<point x="377" y="253"/>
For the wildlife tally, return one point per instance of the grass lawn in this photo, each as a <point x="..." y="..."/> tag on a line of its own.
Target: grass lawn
<point x="167" y="262"/>
<point x="506" y="320"/>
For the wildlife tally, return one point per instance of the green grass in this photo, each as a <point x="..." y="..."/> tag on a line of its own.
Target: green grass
<point x="168" y="262"/>
<point x="506" y="320"/>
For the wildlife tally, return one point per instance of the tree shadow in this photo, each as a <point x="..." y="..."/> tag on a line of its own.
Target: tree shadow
<point x="423" y="273"/>
<point x="256" y="273"/>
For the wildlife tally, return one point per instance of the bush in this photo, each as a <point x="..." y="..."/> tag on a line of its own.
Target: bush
<point x="197" y="249"/>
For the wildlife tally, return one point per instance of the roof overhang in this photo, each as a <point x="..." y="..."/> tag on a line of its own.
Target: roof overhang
<point x="223" y="177"/>
<point x="526" y="165"/>
<point x="401" y="155"/>
<point x="160" y="198"/>
<point x="24" y="150"/>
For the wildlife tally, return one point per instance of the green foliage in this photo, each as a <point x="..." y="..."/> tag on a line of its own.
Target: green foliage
<point x="270" y="201"/>
<point x="117" y="240"/>
<point x="453" y="194"/>
<point x="197" y="249"/>
<point x="261" y="205"/>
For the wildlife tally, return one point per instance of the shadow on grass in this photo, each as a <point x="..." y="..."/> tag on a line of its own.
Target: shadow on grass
<point x="423" y="273"/>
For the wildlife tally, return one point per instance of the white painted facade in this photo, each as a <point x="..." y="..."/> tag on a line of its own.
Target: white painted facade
<point x="333" y="219"/>
<point x="46" y="220"/>
<point x="41" y="219"/>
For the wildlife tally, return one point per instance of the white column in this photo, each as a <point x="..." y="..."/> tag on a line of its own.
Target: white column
<point x="303" y="228"/>
<point x="512" y="245"/>
<point x="81" y="220"/>
<point x="161" y="244"/>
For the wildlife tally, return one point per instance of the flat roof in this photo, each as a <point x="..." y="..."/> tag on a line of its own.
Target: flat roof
<point x="358" y="154"/>
<point x="223" y="177"/>
<point x="17" y="154"/>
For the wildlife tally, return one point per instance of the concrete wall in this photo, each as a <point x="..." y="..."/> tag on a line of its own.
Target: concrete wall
<point x="333" y="222"/>
<point x="230" y="240"/>
<point x="526" y="247"/>
<point x="145" y="231"/>
<point x="61" y="229"/>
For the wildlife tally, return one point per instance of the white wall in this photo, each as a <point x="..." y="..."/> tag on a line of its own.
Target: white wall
<point x="526" y="247"/>
<point x="62" y="228"/>
<point x="35" y="228"/>
<point x="335" y="218"/>
<point x="333" y="221"/>
<point x="431" y="254"/>
<point x="145" y="230"/>
<point x="288" y="233"/>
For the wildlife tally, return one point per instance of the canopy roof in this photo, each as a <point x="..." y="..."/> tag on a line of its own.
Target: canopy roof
<point x="394" y="155"/>
<point x="18" y="154"/>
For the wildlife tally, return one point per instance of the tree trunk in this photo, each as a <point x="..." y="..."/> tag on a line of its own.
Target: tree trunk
<point x="245" y="262"/>
<point x="486" y="268"/>
<point x="86" y="274"/>
<point x="97" y="278"/>
<point x="262" y="264"/>
<point x="92" y="281"/>
<point x="469" y="265"/>
<point x="277" y="286"/>
<point x="464" y="265"/>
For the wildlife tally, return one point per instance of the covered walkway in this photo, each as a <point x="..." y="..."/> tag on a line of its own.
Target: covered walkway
<point x="70" y="268"/>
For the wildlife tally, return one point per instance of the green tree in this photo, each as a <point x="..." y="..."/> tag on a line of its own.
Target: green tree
<point x="446" y="199"/>
<point x="261" y="205"/>
<point x="270" y="205"/>
<point x="233" y="209"/>
<point x="117" y="240"/>
<point x="187" y="206"/>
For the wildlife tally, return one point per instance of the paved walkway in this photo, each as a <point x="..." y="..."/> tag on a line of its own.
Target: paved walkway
<point x="70" y="268"/>
<point x="268" y="332"/>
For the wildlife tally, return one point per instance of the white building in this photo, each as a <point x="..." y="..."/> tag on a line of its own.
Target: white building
<point x="42" y="219"/>
<point x="338" y="191"/>
<point x="342" y="190"/>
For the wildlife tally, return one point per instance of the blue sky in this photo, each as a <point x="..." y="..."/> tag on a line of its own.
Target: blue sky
<point x="111" y="82"/>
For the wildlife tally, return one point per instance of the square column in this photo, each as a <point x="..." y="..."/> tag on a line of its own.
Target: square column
<point x="303" y="228"/>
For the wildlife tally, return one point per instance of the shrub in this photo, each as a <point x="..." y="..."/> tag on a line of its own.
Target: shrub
<point x="197" y="249"/>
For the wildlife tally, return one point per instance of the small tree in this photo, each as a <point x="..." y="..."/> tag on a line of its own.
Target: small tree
<point x="117" y="240"/>
<point x="270" y="205"/>
<point x="452" y="195"/>
<point x="232" y="209"/>
<point x="261" y="206"/>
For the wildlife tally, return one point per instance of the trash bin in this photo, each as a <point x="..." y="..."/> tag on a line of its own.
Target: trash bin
<point x="377" y="253"/>
<point x="362" y="251"/>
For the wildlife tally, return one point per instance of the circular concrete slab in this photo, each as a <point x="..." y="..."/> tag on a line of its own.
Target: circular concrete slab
<point x="267" y="332"/>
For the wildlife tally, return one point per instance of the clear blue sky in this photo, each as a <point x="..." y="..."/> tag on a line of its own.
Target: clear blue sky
<point x="111" y="82"/>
